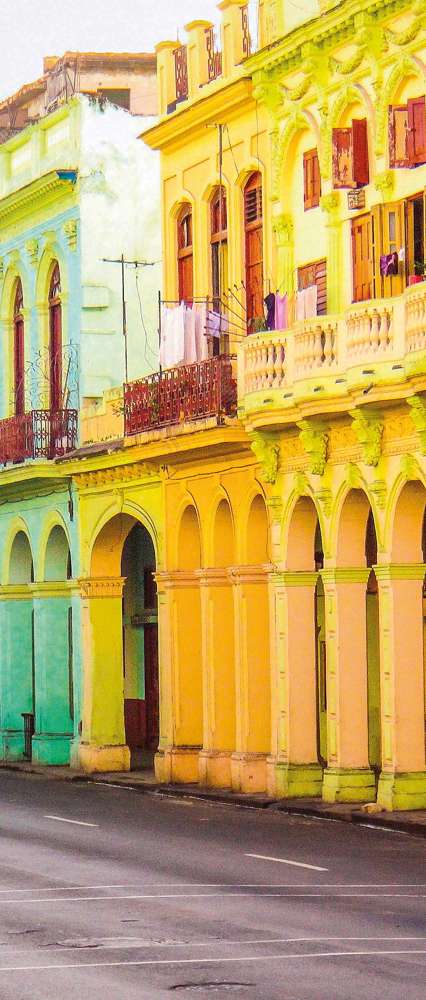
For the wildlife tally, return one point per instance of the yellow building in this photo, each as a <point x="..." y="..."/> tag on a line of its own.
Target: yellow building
<point x="286" y="537"/>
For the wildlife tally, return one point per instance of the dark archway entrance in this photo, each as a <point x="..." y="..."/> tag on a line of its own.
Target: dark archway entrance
<point x="140" y="647"/>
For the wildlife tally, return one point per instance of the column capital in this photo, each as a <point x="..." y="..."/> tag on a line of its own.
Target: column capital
<point x="400" y="571"/>
<point x="213" y="576"/>
<point x="102" y="586"/>
<point x="345" y="574"/>
<point x="250" y="574"/>
<point x="295" y="578"/>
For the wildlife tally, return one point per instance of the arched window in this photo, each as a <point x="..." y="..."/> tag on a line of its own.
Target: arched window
<point x="185" y="254"/>
<point x="55" y="340"/>
<point x="18" y="351"/>
<point x="253" y="226"/>
<point x="219" y="246"/>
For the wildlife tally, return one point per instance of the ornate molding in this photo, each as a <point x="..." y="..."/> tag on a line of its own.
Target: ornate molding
<point x="31" y="196"/>
<point x="330" y="202"/>
<point x="379" y="491"/>
<point x="103" y="586"/>
<point x="314" y="439"/>
<point x="411" y="468"/>
<point x="407" y="34"/>
<point x="301" y="484"/>
<point x="345" y="66"/>
<point x="368" y="428"/>
<point x="71" y="232"/>
<point x="115" y="474"/>
<point x="325" y="498"/>
<point x="267" y="452"/>
<point x="417" y="406"/>
<point x="32" y="249"/>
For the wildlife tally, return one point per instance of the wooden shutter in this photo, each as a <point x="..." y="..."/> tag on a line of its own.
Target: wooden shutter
<point x="416" y="131"/>
<point x="311" y="179"/>
<point x="342" y="158"/>
<point x="19" y="367"/>
<point x="389" y="237"/>
<point x="398" y="135"/>
<point x="253" y="211"/>
<point x="315" y="274"/>
<point x="360" y="169"/>
<point x="185" y="256"/>
<point x="362" y="258"/>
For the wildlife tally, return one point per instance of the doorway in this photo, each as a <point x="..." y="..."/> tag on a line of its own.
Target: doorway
<point x="140" y="647"/>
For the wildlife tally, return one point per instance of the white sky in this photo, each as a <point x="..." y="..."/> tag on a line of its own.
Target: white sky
<point x="31" y="29"/>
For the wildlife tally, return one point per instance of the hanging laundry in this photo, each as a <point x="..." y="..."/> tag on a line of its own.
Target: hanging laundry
<point x="311" y="295"/>
<point x="389" y="264"/>
<point x="190" y="344"/>
<point x="281" y="312"/>
<point x="216" y="324"/>
<point x="269" y="301"/>
<point x="306" y="303"/>
<point x="172" y="337"/>
<point x="201" y="338"/>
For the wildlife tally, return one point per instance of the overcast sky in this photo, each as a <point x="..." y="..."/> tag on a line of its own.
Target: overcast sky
<point x="31" y="29"/>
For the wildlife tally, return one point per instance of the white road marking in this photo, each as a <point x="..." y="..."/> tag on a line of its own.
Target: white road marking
<point x="212" y="895"/>
<point x="77" y="822"/>
<point x="285" y="861"/>
<point x="225" y="885"/>
<point x="211" y="961"/>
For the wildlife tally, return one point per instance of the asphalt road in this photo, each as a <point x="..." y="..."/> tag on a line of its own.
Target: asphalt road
<point x="149" y="897"/>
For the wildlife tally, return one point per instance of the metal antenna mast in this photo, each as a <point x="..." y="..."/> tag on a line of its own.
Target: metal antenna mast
<point x="133" y="263"/>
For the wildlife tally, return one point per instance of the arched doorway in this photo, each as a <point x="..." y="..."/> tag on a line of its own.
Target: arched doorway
<point x="373" y="652"/>
<point x="115" y="615"/>
<point x="320" y="650"/>
<point x="18" y="692"/>
<point x="55" y="340"/>
<point x="140" y="646"/>
<point x="18" y="351"/>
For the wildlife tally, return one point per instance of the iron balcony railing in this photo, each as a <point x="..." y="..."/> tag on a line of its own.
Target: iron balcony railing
<point x="184" y="393"/>
<point x="38" y="434"/>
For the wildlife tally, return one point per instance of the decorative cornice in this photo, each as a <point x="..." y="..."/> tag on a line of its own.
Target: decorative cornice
<point x="325" y="498"/>
<point x="368" y="428"/>
<point x="113" y="474"/>
<point x="104" y="586"/>
<point x="314" y="440"/>
<point x="384" y="183"/>
<point x="174" y="128"/>
<point x="71" y="233"/>
<point x="267" y="452"/>
<point x="32" y="249"/>
<point x="32" y="194"/>
<point x="399" y="571"/>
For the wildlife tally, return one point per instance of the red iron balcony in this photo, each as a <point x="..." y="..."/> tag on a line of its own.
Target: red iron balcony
<point x="189" y="392"/>
<point x="38" y="434"/>
<point x="181" y="73"/>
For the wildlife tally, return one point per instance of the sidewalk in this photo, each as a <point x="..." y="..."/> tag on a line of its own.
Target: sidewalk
<point x="413" y="823"/>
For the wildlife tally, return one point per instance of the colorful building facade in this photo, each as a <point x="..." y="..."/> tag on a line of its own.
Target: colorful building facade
<point x="250" y="564"/>
<point x="69" y="163"/>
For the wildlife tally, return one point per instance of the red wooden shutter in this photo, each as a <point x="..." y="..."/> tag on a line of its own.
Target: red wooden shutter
<point x="311" y="179"/>
<point x="361" y="173"/>
<point x="416" y="131"/>
<point x="253" y="212"/>
<point x="342" y="158"/>
<point x="398" y="134"/>
<point x="19" y="370"/>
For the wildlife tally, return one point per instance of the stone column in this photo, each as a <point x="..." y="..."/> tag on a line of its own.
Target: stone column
<point x="402" y="783"/>
<point x="330" y="204"/>
<point x="181" y="679"/>
<point x="103" y="746"/>
<point x="252" y="679"/>
<point x="283" y="227"/>
<point x="293" y="768"/>
<point x="17" y="667"/>
<point x="348" y="777"/>
<point x="54" y="675"/>
<point x="217" y="618"/>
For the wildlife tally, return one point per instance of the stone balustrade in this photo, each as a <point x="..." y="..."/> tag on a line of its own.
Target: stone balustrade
<point x="379" y="330"/>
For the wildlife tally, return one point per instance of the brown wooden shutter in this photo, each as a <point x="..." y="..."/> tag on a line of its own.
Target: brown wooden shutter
<point x="360" y="169"/>
<point x="342" y="158"/>
<point x="253" y="210"/>
<point x="416" y="131"/>
<point x="398" y="135"/>
<point x="311" y="179"/>
<point x="362" y="258"/>
<point x="315" y="274"/>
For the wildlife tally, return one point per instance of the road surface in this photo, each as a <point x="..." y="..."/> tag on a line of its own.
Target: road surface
<point x="109" y="894"/>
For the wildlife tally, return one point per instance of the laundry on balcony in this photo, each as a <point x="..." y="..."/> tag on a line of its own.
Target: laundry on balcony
<point x="186" y="331"/>
<point x="216" y="323"/>
<point x="389" y="263"/>
<point x="281" y="316"/>
<point x="306" y="303"/>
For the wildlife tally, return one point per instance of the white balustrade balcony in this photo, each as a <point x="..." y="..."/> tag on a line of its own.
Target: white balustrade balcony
<point x="379" y="337"/>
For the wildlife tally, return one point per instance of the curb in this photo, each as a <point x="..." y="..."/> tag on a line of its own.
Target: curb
<point x="356" y="816"/>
